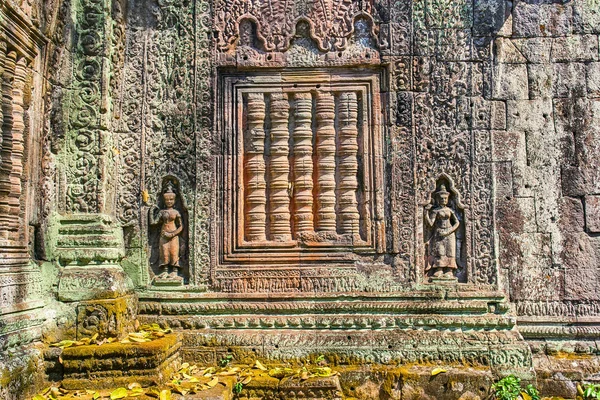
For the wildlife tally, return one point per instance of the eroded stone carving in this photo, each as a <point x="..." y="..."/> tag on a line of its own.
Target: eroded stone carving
<point x="330" y="21"/>
<point x="167" y="241"/>
<point x="305" y="154"/>
<point x="442" y="239"/>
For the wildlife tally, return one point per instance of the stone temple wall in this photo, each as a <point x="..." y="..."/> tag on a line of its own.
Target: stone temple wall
<point x="307" y="145"/>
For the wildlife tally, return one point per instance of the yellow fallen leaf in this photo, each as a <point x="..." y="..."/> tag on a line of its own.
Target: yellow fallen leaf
<point x="133" y="385"/>
<point x="525" y="396"/>
<point x="125" y="341"/>
<point x="437" y="371"/>
<point x="185" y="365"/>
<point x="63" y="344"/>
<point x="138" y="340"/>
<point x="96" y="396"/>
<point x="260" y="366"/>
<point x="323" y="371"/>
<point x="39" y="397"/>
<point x="213" y="382"/>
<point x="94" y="337"/>
<point x="246" y="380"/>
<point x="165" y="395"/>
<point x="153" y="392"/>
<point x="193" y="379"/>
<point x="119" y="393"/>
<point x="111" y="339"/>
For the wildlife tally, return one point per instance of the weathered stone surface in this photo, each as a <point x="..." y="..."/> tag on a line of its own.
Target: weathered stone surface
<point x="114" y="364"/>
<point x="510" y="82"/>
<point x="592" y="213"/>
<point x="323" y="159"/>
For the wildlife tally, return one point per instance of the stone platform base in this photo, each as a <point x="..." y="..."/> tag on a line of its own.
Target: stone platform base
<point x="434" y="324"/>
<point x="115" y="364"/>
<point x="266" y="387"/>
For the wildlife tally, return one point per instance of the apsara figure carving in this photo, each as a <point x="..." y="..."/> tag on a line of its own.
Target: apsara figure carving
<point x="171" y="227"/>
<point x="441" y="246"/>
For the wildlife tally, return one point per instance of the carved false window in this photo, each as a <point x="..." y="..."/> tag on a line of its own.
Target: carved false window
<point x="303" y="167"/>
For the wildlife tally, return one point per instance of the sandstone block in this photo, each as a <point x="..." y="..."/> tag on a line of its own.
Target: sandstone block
<point x="575" y="48"/>
<point x="530" y="115"/>
<point x="533" y="19"/>
<point x="508" y="146"/>
<point x="592" y="213"/>
<point x="593" y="79"/>
<point x="569" y="80"/>
<point x="535" y="50"/>
<point x="506" y="52"/>
<point x="510" y="82"/>
<point x="541" y="80"/>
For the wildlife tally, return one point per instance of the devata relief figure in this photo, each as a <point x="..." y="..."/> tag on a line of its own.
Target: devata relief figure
<point x="441" y="246"/>
<point x="171" y="227"/>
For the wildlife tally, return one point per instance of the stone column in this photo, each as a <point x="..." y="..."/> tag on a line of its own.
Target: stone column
<point x="84" y="237"/>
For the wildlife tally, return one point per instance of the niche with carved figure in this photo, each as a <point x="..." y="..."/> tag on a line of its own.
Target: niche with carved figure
<point x="168" y="235"/>
<point x="444" y="233"/>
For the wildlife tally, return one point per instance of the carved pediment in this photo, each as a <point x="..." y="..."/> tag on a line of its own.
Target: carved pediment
<point x="331" y="22"/>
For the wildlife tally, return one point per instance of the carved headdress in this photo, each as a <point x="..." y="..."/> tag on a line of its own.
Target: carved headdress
<point x="442" y="191"/>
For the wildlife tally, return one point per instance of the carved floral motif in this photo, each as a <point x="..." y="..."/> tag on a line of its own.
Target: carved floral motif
<point x="331" y="21"/>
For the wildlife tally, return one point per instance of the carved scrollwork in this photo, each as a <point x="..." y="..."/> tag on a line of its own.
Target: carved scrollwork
<point x="331" y="22"/>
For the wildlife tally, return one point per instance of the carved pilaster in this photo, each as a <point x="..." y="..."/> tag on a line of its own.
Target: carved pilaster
<point x="8" y="217"/>
<point x="303" y="164"/>
<point x="349" y="216"/>
<point x="254" y="169"/>
<point x="279" y="169"/>
<point x="17" y="137"/>
<point x="325" y="218"/>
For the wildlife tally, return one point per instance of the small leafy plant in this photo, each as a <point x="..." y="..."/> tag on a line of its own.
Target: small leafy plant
<point x="532" y="392"/>
<point x="509" y="388"/>
<point x="223" y="362"/>
<point x="589" y="391"/>
<point x="238" y="387"/>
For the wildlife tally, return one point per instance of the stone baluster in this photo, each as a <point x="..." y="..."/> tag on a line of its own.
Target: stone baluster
<point x="2" y="81"/>
<point x="325" y="114"/>
<point x="18" y="131"/>
<point x="254" y="169"/>
<point x="303" y="164"/>
<point x="349" y="216"/>
<point x="279" y="169"/>
<point x="7" y="219"/>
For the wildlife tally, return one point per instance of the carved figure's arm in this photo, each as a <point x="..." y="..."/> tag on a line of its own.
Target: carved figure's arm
<point x="455" y="224"/>
<point x="428" y="218"/>
<point x="155" y="215"/>
<point x="179" y="224"/>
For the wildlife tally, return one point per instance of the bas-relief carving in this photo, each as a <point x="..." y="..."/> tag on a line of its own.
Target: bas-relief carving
<point x="168" y="236"/>
<point x="276" y="189"/>
<point x="444" y="233"/>
<point x="331" y="22"/>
